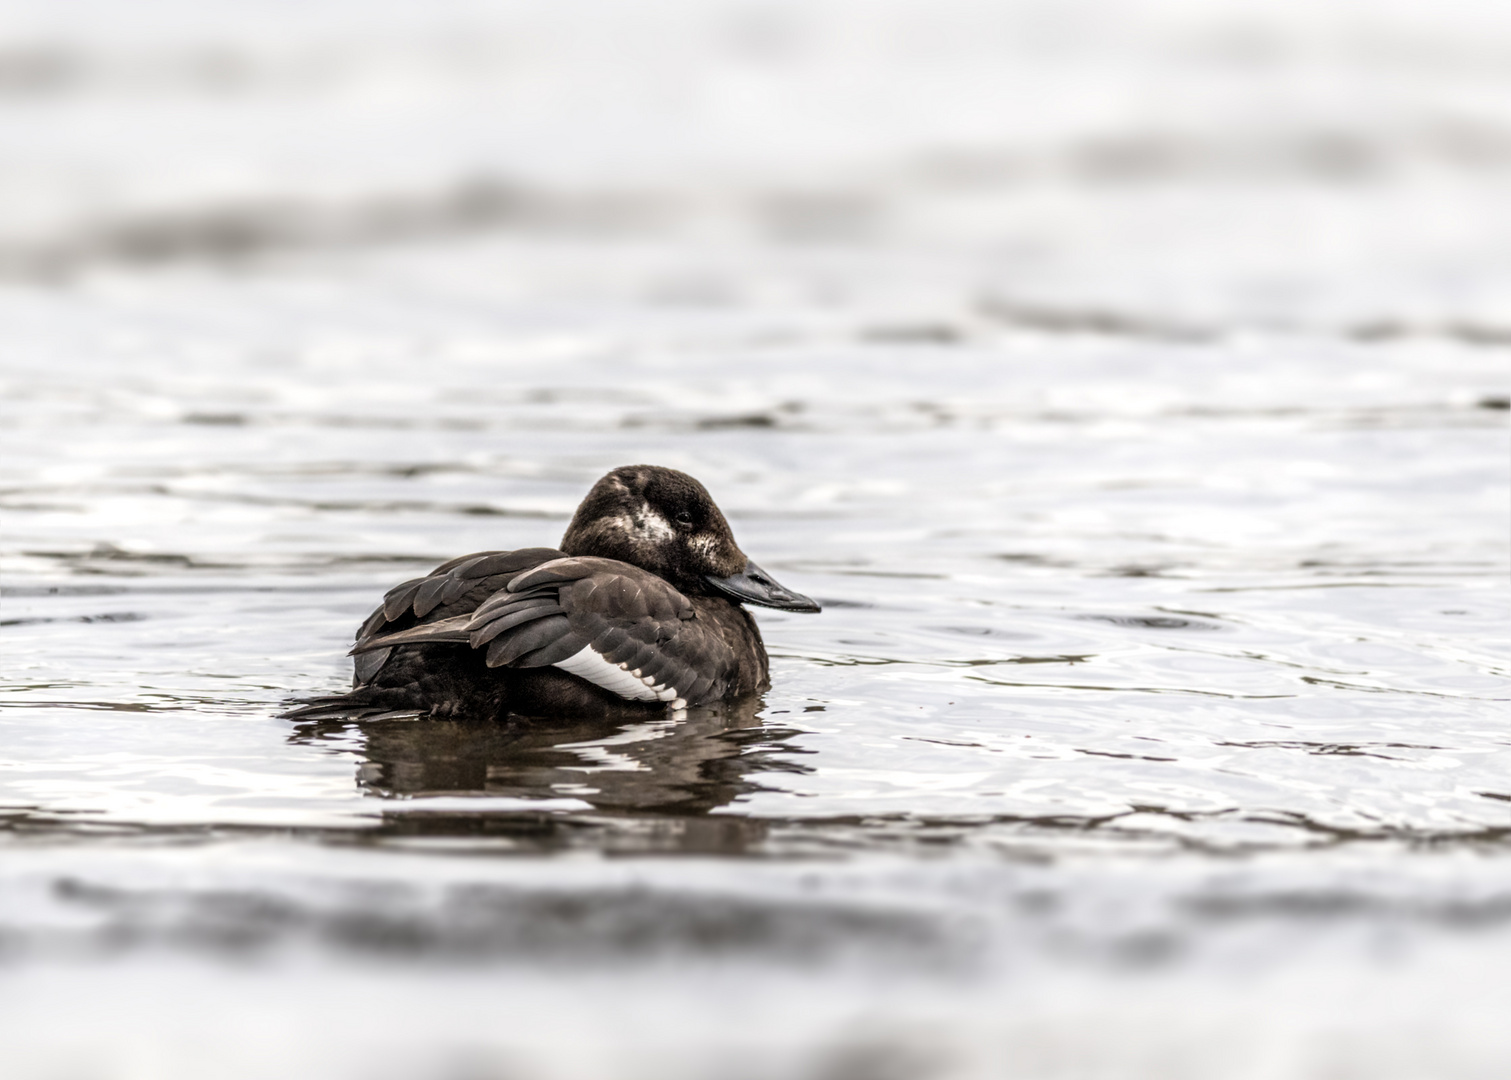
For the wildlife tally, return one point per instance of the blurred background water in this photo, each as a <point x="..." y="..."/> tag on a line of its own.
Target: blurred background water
<point x="1127" y="379"/>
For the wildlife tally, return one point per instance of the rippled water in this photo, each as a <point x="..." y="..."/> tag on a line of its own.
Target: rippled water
<point x="1156" y="722"/>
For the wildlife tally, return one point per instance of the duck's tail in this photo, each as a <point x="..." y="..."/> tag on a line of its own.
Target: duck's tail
<point x="440" y="681"/>
<point x="363" y="703"/>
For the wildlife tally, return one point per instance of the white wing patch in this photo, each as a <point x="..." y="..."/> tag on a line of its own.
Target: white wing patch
<point x="589" y="665"/>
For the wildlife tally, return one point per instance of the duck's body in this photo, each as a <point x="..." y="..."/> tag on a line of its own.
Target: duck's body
<point x="639" y="609"/>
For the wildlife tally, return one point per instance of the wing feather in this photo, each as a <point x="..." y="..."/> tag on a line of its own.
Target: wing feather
<point x="484" y="632"/>
<point x="615" y="644"/>
<point x="369" y="664"/>
<point x="432" y="633"/>
<point x="528" y="638"/>
<point x="563" y="648"/>
<point x="507" y="562"/>
<point x="558" y="571"/>
<point x="457" y="585"/>
<point x="462" y="560"/>
<point x="428" y="596"/>
<point x="503" y="601"/>
<point x="396" y="600"/>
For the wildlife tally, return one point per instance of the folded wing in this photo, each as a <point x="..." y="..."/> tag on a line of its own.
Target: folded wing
<point x="605" y="621"/>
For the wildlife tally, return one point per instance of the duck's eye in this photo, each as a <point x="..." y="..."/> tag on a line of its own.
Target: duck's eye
<point x="684" y="517"/>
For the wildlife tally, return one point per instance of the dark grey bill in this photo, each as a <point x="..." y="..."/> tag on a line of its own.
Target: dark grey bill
<point x="755" y="586"/>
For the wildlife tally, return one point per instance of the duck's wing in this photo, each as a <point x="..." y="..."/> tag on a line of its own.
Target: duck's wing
<point x="454" y="588"/>
<point x="613" y="624"/>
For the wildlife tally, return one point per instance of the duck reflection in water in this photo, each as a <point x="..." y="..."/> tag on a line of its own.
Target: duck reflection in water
<point x="655" y="779"/>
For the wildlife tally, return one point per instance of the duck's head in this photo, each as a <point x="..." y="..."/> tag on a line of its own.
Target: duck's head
<point x="664" y="521"/>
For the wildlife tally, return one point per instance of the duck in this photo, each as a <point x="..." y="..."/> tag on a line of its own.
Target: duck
<point x="640" y="609"/>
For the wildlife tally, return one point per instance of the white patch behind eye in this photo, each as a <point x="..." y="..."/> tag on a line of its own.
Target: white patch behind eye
<point x="649" y="525"/>
<point x="589" y="665"/>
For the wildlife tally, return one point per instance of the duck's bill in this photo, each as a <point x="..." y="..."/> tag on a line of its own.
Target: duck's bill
<point x="755" y="586"/>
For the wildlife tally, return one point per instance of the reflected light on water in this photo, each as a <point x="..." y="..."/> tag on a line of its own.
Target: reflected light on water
<point x="1126" y="380"/>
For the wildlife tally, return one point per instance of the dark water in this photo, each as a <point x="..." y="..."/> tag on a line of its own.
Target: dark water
<point x="1156" y="722"/>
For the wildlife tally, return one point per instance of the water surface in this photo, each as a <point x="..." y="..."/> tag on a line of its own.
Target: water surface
<point x="1155" y="724"/>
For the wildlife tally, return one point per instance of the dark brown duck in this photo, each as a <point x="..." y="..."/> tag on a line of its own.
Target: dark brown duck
<point x="639" y="609"/>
